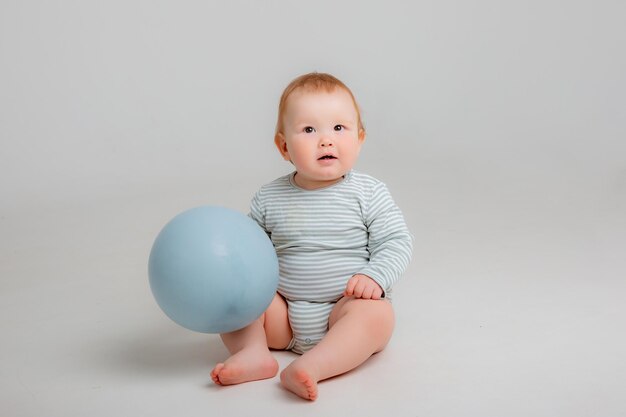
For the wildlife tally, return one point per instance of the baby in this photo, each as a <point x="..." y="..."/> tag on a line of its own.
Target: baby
<point x="341" y="243"/>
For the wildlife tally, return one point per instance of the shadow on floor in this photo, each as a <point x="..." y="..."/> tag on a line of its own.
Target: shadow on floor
<point x="157" y="351"/>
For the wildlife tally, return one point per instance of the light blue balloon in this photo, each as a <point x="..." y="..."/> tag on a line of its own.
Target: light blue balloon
<point x="213" y="270"/>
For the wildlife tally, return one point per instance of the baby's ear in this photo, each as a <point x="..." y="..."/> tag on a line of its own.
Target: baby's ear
<point x="281" y="145"/>
<point x="361" y="136"/>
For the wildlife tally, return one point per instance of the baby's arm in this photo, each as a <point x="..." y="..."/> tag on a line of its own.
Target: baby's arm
<point x="390" y="245"/>
<point x="257" y="211"/>
<point x="362" y="286"/>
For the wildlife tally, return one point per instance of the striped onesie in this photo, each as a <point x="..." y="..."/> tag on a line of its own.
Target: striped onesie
<point x="325" y="236"/>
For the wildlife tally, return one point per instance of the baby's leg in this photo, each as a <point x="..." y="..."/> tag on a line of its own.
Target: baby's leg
<point x="357" y="329"/>
<point x="251" y="359"/>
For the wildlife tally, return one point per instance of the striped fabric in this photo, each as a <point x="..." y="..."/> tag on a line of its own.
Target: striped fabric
<point x="323" y="237"/>
<point x="309" y="323"/>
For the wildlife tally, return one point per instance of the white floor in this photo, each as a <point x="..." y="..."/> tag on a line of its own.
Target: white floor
<point x="503" y="321"/>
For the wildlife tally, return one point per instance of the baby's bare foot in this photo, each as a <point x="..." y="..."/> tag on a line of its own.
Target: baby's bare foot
<point x="300" y="382"/>
<point x="246" y="365"/>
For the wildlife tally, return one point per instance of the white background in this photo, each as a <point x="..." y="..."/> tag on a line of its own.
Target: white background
<point x="499" y="128"/>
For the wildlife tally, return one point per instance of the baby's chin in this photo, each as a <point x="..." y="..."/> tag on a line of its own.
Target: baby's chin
<point x="314" y="182"/>
<point x="330" y="175"/>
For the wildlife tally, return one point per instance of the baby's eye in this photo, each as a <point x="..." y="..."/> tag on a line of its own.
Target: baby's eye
<point x="339" y="128"/>
<point x="309" y="129"/>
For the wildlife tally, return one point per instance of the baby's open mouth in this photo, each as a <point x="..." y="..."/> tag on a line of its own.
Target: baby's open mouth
<point x="326" y="157"/>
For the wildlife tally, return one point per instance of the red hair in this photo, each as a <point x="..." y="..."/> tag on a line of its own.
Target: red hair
<point x="313" y="82"/>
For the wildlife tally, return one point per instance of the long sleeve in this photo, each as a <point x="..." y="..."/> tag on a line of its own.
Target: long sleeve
<point x="257" y="211"/>
<point x="390" y="243"/>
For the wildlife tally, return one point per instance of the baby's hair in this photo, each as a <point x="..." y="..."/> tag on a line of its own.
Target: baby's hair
<point x="314" y="82"/>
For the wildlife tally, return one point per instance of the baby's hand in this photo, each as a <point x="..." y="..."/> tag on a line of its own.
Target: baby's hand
<point x="362" y="286"/>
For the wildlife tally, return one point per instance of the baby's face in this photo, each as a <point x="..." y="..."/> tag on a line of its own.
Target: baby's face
<point x="321" y="136"/>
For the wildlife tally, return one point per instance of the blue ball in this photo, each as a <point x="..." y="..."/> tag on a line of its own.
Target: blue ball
<point x="213" y="270"/>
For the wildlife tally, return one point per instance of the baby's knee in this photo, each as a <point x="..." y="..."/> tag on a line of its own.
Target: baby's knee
<point x="378" y="313"/>
<point x="377" y="317"/>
